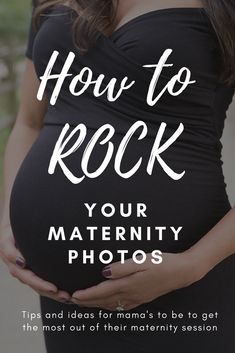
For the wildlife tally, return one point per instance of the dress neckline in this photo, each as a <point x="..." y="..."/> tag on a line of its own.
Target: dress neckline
<point x="156" y="12"/>
<point x="144" y="15"/>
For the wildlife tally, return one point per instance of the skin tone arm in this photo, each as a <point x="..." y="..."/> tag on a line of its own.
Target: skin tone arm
<point x="25" y="131"/>
<point x="126" y="281"/>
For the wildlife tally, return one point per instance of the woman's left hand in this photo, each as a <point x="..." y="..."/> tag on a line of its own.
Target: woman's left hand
<point x="134" y="284"/>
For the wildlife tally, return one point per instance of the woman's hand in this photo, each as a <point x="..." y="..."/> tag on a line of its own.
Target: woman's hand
<point x="135" y="284"/>
<point x="17" y="268"/>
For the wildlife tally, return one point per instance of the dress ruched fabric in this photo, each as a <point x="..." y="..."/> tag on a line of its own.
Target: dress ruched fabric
<point x="196" y="202"/>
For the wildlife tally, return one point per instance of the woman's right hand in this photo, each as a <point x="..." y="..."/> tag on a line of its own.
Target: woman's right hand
<point x="18" y="268"/>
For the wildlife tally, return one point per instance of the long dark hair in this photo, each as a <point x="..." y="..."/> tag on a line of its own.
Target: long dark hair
<point x="97" y="16"/>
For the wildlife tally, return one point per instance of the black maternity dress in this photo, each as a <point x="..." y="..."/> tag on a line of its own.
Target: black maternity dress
<point x="196" y="202"/>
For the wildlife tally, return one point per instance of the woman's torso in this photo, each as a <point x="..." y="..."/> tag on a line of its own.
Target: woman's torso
<point x="197" y="201"/>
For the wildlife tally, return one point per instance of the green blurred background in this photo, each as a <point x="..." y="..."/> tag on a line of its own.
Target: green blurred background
<point x="14" y="22"/>
<point x="14" y="296"/>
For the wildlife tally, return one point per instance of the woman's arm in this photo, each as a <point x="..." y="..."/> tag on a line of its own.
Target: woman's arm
<point x="126" y="281"/>
<point x="25" y="131"/>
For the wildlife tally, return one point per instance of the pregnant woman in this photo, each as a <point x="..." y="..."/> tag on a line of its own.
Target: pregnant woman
<point x="177" y="193"/>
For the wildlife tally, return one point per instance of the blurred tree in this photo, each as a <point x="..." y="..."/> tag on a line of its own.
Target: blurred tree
<point x="14" y="23"/>
<point x="13" y="19"/>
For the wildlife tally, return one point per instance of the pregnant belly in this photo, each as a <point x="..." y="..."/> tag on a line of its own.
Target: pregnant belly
<point x="41" y="202"/>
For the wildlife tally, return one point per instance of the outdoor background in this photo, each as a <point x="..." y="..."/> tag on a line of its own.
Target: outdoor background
<point x="14" y="297"/>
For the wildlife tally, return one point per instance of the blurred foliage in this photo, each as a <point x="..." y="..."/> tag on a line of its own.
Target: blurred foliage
<point x="14" y="24"/>
<point x="14" y="17"/>
<point x="3" y="139"/>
